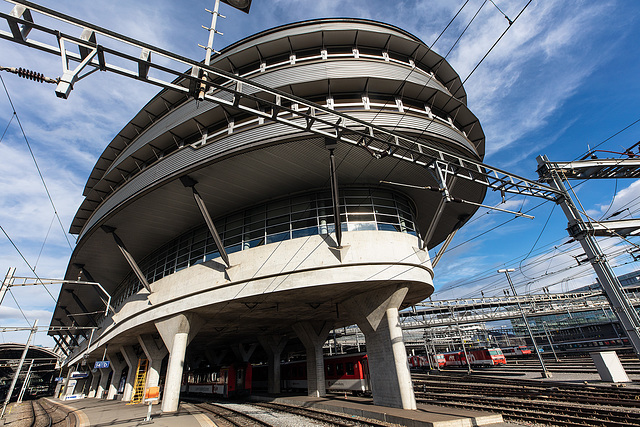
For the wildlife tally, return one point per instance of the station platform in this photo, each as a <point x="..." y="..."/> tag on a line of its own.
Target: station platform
<point x="100" y="412"/>
<point x="425" y="415"/>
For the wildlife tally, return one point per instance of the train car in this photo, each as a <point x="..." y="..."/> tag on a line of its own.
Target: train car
<point x="521" y="350"/>
<point x="438" y="360"/>
<point x="487" y="356"/>
<point x="348" y="372"/>
<point x="583" y="346"/>
<point x="454" y="358"/>
<point x="479" y="356"/>
<point x="234" y="380"/>
<point x="418" y="362"/>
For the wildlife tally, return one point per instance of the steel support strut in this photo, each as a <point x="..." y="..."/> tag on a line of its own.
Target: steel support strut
<point x="187" y="181"/>
<point x="579" y="230"/>
<point x="128" y="257"/>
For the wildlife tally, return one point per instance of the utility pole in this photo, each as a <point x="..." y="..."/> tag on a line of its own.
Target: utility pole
<point x="584" y="232"/>
<point x="545" y="373"/>
<point x="464" y="348"/>
<point x="15" y="376"/>
<point x="546" y="332"/>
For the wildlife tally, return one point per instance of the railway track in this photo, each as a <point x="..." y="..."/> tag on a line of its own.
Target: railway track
<point x="222" y="415"/>
<point x="532" y="401"/>
<point x="326" y="418"/>
<point x="41" y="416"/>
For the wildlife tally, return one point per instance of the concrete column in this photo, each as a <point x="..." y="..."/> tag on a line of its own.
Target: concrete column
<point x="116" y="366"/>
<point x="273" y="345"/>
<point x="104" y="382"/>
<point x="131" y="359"/>
<point x="376" y="313"/>
<point x="215" y="358"/>
<point x="95" y="377"/>
<point x="176" y="332"/>
<point x="313" y="336"/>
<point x="243" y="353"/>
<point x="155" y="352"/>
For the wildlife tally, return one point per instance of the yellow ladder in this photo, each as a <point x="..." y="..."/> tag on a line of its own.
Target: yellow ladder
<point x="141" y="378"/>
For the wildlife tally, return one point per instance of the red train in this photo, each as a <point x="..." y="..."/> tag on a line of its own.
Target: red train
<point x="479" y="356"/>
<point x="230" y="381"/>
<point x="342" y="373"/>
<point x="348" y="372"/>
<point x="521" y="350"/>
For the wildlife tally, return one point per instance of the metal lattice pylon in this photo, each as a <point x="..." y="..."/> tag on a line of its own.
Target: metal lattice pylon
<point x="141" y="379"/>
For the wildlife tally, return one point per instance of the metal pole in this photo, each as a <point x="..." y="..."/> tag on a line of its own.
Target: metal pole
<point x="464" y="349"/>
<point x="209" y="47"/>
<point x="15" y="376"/>
<point x="25" y="383"/>
<point x="582" y="232"/>
<point x="544" y="327"/>
<point x="545" y="373"/>
<point x="6" y="283"/>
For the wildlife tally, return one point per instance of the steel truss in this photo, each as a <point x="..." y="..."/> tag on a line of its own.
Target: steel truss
<point x="242" y="95"/>
<point x="490" y="309"/>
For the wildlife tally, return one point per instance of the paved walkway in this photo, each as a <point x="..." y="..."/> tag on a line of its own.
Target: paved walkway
<point x="100" y="413"/>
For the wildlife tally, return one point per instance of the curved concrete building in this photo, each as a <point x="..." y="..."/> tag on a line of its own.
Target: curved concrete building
<point x="183" y="175"/>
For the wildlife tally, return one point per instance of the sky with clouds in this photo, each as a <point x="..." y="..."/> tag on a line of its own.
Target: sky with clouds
<point x="561" y="80"/>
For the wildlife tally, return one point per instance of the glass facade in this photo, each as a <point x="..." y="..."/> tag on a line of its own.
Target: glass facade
<point x="283" y="219"/>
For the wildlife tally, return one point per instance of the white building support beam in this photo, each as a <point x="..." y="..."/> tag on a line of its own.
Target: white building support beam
<point x="377" y="318"/>
<point x="131" y="359"/>
<point x="313" y="336"/>
<point x="93" y="387"/>
<point x="176" y="332"/>
<point x="117" y="367"/>
<point x="155" y="352"/>
<point x="104" y="382"/>
<point x="273" y="346"/>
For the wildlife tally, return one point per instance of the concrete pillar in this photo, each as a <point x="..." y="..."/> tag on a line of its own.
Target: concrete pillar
<point x="176" y="332"/>
<point x="215" y="358"/>
<point x="104" y="382"/>
<point x="243" y="353"/>
<point x="155" y="352"/>
<point x="376" y="313"/>
<point x="116" y="366"/>
<point x="131" y="359"/>
<point x="273" y="345"/>
<point x="95" y="377"/>
<point x="313" y="335"/>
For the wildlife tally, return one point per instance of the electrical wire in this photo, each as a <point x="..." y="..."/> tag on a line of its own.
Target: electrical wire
<point x="27" y="262"/>
<point x="18" y="305"/>
<point x="36" y="163"/>
<point x="7" y="128"/>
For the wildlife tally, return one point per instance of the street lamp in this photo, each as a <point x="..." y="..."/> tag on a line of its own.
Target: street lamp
<point x="545" y="373"/>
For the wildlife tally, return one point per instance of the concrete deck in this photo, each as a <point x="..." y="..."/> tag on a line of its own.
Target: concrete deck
<point x="100" y="412"/>
<point x="425" y="415"/>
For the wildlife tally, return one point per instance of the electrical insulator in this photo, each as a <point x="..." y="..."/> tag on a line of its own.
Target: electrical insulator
<point x="31" y="75"/>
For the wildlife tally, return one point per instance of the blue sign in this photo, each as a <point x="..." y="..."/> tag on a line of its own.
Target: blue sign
<point x="59" y="379"/>
<point x="101" y="364"/>
<point x="76" y="375"/>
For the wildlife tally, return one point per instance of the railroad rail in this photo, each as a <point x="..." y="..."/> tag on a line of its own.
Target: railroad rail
<point x="532" y="401"/>
<point x="41" y="415"/>
<point x="322" y="416"/>
<point x="223" y="415"/>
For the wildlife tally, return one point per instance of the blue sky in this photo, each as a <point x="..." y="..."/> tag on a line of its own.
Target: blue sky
<point x="563" y="78"/>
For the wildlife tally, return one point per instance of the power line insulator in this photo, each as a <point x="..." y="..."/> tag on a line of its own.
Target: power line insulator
<point x="29" y="74"/>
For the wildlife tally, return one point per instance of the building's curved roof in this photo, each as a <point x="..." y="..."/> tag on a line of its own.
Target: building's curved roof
<point x="119" y="162"/>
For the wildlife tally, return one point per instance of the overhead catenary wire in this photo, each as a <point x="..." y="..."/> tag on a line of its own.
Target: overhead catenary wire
<point x="36" y="163"/>
<point x="27" y="262"/>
